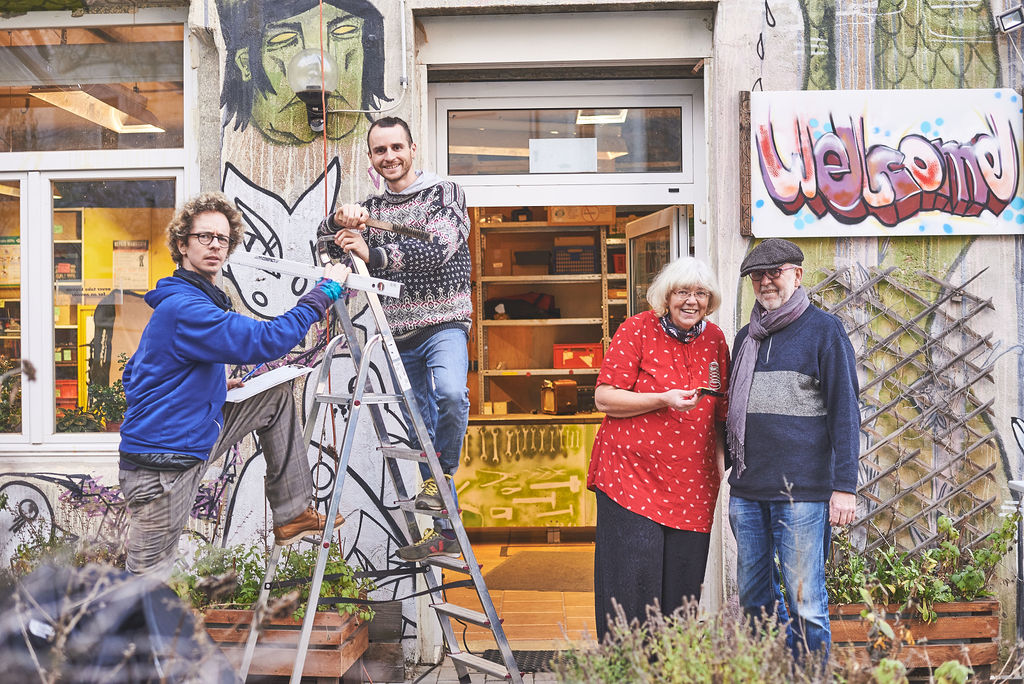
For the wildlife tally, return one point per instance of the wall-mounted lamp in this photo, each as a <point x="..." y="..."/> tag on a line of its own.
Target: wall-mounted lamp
<point x="1011" y="20"/>
<point x="305" y="78"/>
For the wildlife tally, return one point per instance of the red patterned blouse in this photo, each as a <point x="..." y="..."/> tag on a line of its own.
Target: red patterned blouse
<point x="661" y="464"/>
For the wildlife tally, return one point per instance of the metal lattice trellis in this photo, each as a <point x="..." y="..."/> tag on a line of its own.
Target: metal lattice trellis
<point x="928" y="447"/>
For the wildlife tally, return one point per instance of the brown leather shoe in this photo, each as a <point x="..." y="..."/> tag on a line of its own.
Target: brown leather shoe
<point x="309" y="522"/>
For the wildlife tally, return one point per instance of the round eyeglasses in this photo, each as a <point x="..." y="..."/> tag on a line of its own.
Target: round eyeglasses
<point x="207" y="239"/>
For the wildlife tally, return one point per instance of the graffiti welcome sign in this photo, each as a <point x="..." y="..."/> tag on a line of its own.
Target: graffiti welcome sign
<point x="886" y="162"/>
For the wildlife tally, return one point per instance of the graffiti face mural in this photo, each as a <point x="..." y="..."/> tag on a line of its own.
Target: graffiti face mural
<point x="261" y="40"/>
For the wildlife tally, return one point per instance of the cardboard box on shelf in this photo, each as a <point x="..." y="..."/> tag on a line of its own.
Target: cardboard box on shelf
<point x="497" y="263"/>
<point x="574" y="240"/>
<point x="591" y="215"/>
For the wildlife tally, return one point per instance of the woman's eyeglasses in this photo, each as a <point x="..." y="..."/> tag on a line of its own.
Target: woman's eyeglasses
<point x="207" y="238"/>
<point x="772" y="273"/>
<point x="699" y="295"/>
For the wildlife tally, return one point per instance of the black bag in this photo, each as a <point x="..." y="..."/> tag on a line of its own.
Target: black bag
<point x="526" y="305"/>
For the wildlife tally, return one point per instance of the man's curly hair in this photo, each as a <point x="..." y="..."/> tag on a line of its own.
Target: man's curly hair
<point x="181" y="225"/>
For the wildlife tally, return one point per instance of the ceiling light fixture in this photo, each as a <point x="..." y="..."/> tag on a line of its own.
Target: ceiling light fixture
<point x="108" y="104"/>
<point x="609" y="116"/>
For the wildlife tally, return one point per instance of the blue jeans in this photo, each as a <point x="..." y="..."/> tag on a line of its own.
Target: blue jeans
<point x="796" y="532"/>
<point x="437" y="369"/>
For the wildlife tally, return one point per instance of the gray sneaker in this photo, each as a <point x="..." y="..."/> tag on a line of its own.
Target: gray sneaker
<point x="432" y="544"/>
<point x="429" y="498"/>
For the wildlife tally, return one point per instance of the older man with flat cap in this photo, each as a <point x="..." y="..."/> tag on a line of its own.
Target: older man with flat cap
<point x="793" y="432"/>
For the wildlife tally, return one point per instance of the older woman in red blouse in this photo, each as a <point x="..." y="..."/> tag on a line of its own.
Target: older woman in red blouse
<point x="659" y="455"/>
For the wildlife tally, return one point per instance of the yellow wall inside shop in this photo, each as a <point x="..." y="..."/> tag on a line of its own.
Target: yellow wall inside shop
<point x="101" y="227"/>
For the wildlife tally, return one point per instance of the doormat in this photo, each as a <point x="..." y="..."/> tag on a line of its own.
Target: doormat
<point x="528" y="661"/>
<point x="544" y="571"/>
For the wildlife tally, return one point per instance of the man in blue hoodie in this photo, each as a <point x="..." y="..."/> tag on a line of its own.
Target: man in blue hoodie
<point x="176" y="383"/>
<point x="431" y="320"/>
<point x="793" y="432"/>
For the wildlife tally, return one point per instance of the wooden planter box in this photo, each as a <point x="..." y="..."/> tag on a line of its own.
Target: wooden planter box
<point x="967" y="632"/>
<point x="335" y="644"/>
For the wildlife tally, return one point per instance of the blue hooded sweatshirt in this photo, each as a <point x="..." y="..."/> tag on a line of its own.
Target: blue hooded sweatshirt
<point x="176" y="383"/>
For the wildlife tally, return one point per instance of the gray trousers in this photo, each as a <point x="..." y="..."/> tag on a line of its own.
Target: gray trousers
<point x="159" y="502"/>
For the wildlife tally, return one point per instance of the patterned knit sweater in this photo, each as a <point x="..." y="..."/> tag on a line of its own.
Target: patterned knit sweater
<point x="436" y="277"/>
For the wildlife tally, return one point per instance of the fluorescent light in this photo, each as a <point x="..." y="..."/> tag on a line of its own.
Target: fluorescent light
<point x="86" y="103"/>
<point x="613" y="116"/>
<point x="1011" y="20"/>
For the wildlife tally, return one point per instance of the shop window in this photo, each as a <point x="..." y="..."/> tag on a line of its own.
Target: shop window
<point x="115" y="87"/>
<point x="109" y="249"/>
<point x="567" y="140"/>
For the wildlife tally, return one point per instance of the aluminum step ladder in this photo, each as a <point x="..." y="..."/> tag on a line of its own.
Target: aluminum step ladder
<point x="363" y="395"/>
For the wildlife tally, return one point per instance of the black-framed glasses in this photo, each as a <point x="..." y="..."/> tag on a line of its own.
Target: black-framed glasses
<point x="207" y="239"/>
<point x="772" y="273"/>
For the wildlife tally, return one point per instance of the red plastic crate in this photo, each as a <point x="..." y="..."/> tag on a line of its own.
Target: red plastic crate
<point x="578" y="355"/>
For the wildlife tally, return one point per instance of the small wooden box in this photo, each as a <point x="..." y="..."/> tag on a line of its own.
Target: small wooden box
<point x="559" y="397"/>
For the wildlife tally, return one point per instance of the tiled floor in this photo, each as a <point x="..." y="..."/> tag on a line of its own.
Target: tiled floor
<point x="533" y="620"/>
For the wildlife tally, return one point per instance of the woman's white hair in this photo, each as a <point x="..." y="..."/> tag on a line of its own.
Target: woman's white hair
<point x="685" y="273"/>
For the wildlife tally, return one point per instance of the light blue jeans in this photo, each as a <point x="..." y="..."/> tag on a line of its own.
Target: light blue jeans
<point x="437" y="370"/>
<point x="796" y="531"/>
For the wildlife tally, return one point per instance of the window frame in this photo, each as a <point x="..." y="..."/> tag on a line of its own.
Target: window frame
<point x="684" y="187"/>
<point x="35" y="171"/>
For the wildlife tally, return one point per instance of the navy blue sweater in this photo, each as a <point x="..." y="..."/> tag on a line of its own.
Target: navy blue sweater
<point x="803" y="420"/>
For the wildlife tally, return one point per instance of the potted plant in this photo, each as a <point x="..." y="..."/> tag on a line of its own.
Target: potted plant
<point x="223" y="584"/>
<point x="78" y="419"/>
<point x="922" y="608"/>
<point x="109" y="401"/>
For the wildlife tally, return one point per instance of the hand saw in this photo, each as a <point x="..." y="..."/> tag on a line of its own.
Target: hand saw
<point x="355" y="281"/>
<point x="398" y="229"/>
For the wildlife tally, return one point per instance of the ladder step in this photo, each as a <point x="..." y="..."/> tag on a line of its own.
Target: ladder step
<point x="404" y="453"/>
<point x="465" y="614"/>
<point x="366" y="398"/>
<point x="448" y="563"/>
<point x="481" y="664"/>
<point x="411" y="507"/>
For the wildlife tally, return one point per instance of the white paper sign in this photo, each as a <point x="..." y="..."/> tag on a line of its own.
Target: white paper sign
<point x="571" y="155"/>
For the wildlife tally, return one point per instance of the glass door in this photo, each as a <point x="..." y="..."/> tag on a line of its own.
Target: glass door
<point x="652" y="242"/>
<point x="12" y="213"/>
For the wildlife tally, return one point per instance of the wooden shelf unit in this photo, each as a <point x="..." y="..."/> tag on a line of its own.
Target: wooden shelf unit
<point x="515" y="356"/>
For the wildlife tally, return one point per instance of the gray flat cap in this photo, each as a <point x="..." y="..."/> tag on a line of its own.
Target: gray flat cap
<point x="771" y="253"/>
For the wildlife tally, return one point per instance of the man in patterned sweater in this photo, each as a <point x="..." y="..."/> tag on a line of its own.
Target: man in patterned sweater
<point x="793" y="431"/>
<point x="431" y="321"/>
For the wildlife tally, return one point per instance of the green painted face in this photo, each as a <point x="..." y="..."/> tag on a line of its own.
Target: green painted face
<point x="280" y="115"/>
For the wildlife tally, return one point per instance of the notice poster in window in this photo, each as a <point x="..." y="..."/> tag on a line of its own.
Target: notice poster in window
<point x="10" y="260"/>
<point x="131" y="265"/>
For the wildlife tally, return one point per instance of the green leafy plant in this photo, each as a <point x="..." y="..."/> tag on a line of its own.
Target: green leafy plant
<point x="949" y="571"/>
<point x="10" y="396"/>
<point x="78" y="419"/>
<point x="109" y="400"/>
<point x="238" y="571"/>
